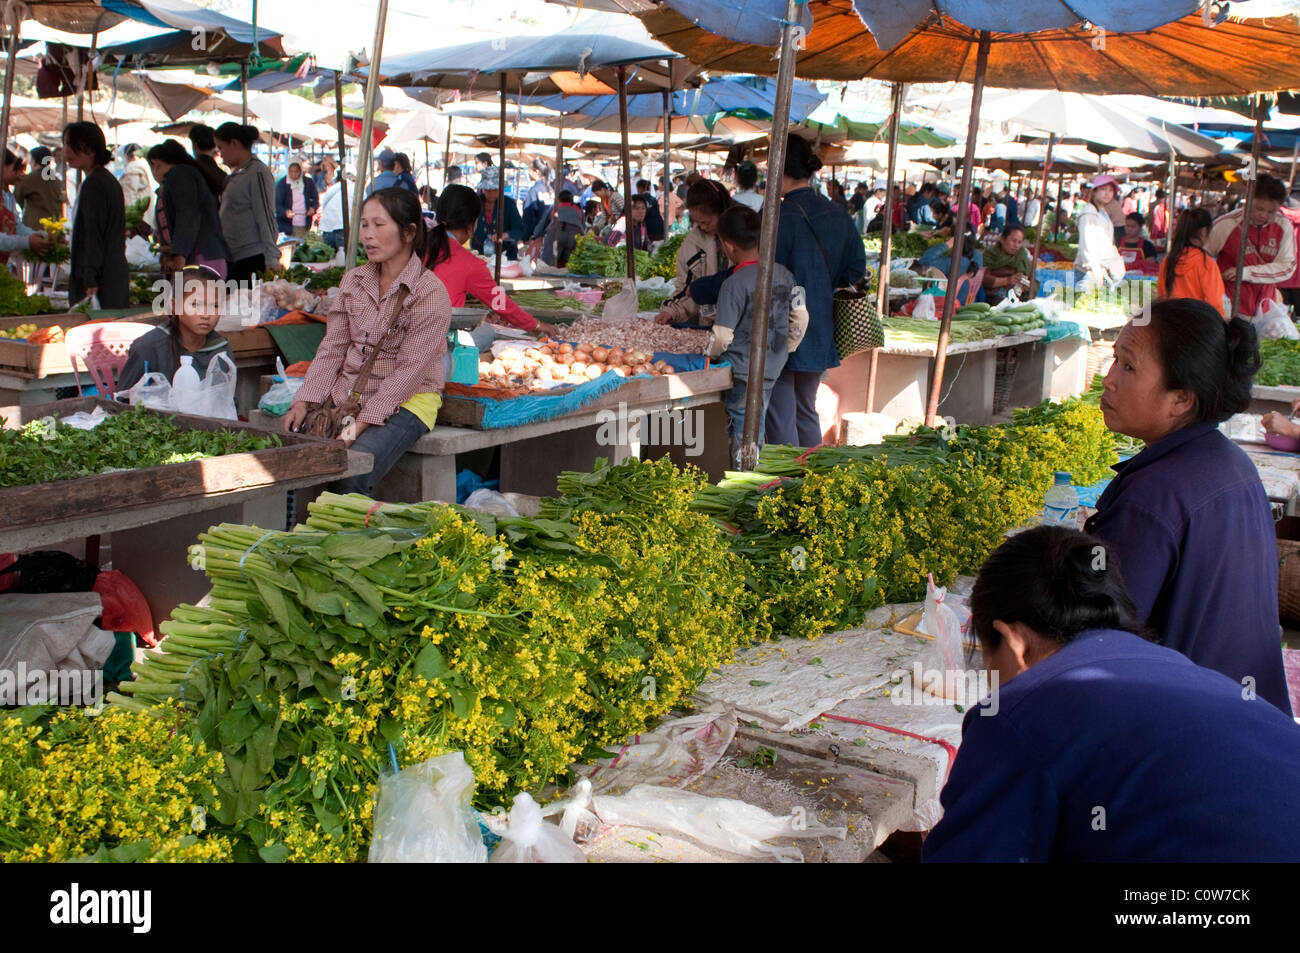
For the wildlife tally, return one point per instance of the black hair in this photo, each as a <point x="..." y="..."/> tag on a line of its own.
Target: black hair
<point x="404" y="209"/>
<point x="87" y="137"/>
<point x="458" y="207"/>
<point x="1137" y="217"/>
<point x="130" y="150"/>
<point x="940" y="207"/>
<point x="565" y="195"/>
<point x="591" y="206"/>
<point x="1200" y="353"/>
<point x="39" y="155"/>
<point x="740" y="225"/>
<point x="484" y="157"/>
<point x="201" y="138"/>
<point x="800" y="160"/>
<point x="1271" y="188"/>
<point x="234" y="132"/>
<point x="707" y="196"/>
<point x="1189" y="223"/>
<point x="171" y="152"/>
<point x="643" y="185"/>
<point x="403" y="160"/>
<point x="598" y="185"/>
<point x="1057" y="581"/>
<point x="182" y="287"/>
<point x="12" y="159"/>
<point x="747" y="175"/>
<point x="642" y="198"/>
<point x="1013" y="228"/>
<point x="927" y="188"/>
<point x="453" y="174"/>
<point x="1160" y="193"/>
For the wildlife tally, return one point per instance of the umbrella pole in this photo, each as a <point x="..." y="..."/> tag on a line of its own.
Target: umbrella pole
<point x="1295" y="155"/>
<point x="1250" y="205"/>
<point x="367" y="134"/>
<point x="446" y="157"/>
<point x="627" y="173"/>
<point x="667" y="150"/>
<point x="959" y="233"/>
<point x="886" y="234"/>
<point x="14" y="19"/>
<point x="767" y="240"/>
<point x="501" y="181"/>
<point x="1060" y="203"/>
<point x="427" y="180"/>
<point x="243" y="93"/>
<point x="1170" y="194"/>
<point x="343" y="162"/>
<point x="1042" y="216"/>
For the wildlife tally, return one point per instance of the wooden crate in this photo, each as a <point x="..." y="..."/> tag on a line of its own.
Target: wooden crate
<point x="44" y="360"/>
<point x="466" y="412"/>
<point x="299" y="456"/>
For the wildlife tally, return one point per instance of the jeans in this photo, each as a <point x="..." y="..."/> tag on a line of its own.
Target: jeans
<point x="792" y="412"/>
<point x="386" y="442"/>
<point x="735" y="405"/>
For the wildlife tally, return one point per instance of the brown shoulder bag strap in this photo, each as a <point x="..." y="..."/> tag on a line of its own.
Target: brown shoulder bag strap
<point x="363" y="375"/>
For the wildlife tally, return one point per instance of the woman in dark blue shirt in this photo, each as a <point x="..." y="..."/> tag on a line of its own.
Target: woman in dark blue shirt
<point x="1099" y="746"/>
<point x="819" y="243"/>
<point x="1188" y="514"/>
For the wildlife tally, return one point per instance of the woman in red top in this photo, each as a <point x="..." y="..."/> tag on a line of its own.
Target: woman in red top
<point x="462" y="271"/>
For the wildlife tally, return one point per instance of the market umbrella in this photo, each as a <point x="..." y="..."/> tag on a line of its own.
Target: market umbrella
<point x="837" y="122"/>
<point x="564" y="61"/>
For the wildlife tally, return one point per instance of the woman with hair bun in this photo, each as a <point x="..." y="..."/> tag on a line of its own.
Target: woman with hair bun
<point x="1188" y="515"/>
<point x="1098" y="746"/>
<point x="247" y="204"/>
<point x="98" y="221"/>
<point x="401" y="397"/>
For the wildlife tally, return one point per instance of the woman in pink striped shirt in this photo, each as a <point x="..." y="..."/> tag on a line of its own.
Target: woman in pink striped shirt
<point x="400" y="401"/>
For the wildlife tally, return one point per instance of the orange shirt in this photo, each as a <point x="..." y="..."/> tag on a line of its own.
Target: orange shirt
<point x="1197" y="276"/>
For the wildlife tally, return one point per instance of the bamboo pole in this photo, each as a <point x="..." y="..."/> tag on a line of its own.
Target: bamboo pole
<point x="959" y="233"/>
<point x="1170" y="195"/>
<point x="627" y="172"/>
<point x="367" y="129"/>
<point x="243" y="93"/>
<point x="886" y="234"/>
<point x="1250" y="205"/>
<point x="501" y="181"/>
<point x="1042" y="217"/>
<point x="668" y="144"/>
<point x="446" y="157"/>
<point x="767" y="241"/>
<point x="343" y="179"/>
<point x="13" y="20"/>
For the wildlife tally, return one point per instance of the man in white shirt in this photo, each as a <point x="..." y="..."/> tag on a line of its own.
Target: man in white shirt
<point x="331" y="214"/>
<point x="1032" y="210"/>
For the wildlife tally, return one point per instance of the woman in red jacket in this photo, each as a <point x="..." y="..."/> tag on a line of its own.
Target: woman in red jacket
<point x="461" y="270"/>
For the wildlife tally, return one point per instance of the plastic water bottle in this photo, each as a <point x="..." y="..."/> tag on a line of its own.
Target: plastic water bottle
<point x="185" y="385"/>
<point x="1061" y="503"/>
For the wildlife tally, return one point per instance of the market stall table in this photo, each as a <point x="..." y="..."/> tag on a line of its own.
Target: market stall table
<point x="151" y="537"/>
<point x="1264" y="399"/>
<point x="1043" y="370"/>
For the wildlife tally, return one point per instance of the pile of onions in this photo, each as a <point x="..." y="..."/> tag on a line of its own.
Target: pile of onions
<point x="560" y="362"/>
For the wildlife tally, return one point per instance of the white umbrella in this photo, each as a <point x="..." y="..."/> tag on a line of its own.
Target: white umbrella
<point x="1099" y="119"/>
<point x="286" y="112"/>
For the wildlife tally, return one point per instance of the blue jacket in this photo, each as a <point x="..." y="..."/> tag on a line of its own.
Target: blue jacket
<point x="284" y="202"/>
<point x="514" y="228"/>
<point x="387" y="179"/>
<point x="1116" y="750"/>
<point x="1190" y="522"/>
<point x="798" y="250"/>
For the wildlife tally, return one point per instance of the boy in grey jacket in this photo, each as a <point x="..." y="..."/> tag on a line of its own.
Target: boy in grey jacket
<point x="738" y="228"/>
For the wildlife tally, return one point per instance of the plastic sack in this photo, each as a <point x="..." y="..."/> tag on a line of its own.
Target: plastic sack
<point x="83" y="420"/>
<point x="1273" y="322"/>
<point x="941" y="622"/>
<point x="138" y="254"/>
<point x="423" y="815"/>
<point x="623" y="306"/>
<point x="484" y="500"/>
<point x="153" y="390"/>
<point x="530" y="840"/>
<point x="924" y="307"/>
<point x="723" y="823"/>
<point x="279" y="397"/>
<point x="216" y="396"/>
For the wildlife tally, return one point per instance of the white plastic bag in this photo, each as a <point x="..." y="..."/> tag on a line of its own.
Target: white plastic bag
<point x="924" y="308"/>
<point x="1272" y="322"/>
<point x="85" y="421"/>
<point x="153" y="390"/>
<point x="621" y="307"/>
<point x="138" y="254"/>
<point x="279" y="397"/>
<point x="939" y="621"/>
<point x="216" y="396"/>
<point x="530" y="840"/>
<point x="490" y="501"/>
<point x="724" y="823"/>
<point x="423" y="815"/>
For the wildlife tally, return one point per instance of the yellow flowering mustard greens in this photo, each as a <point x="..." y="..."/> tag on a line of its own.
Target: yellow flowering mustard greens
<point x="115" y="786"/>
